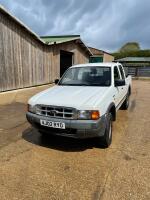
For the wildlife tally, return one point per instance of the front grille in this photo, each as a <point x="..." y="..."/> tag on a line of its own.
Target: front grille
<point x="56" y="111"/>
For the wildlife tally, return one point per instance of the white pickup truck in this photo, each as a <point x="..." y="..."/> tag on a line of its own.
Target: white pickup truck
<point x="83" y="103"/>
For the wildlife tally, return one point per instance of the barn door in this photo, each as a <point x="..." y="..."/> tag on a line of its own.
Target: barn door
<point x="66" y="60"/>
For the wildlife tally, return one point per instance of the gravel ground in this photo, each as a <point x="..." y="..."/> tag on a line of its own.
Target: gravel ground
<point x="34" y="168"/>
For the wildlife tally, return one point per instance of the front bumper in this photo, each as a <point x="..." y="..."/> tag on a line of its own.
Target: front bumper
<point x="74" y="128"/>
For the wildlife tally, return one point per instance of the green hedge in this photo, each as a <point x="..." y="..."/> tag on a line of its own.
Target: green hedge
<point x="140" y="53"/>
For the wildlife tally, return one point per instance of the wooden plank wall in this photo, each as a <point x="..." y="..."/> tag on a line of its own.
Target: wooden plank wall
<point x="108" y="58"/>
<point x="25" y="61"/>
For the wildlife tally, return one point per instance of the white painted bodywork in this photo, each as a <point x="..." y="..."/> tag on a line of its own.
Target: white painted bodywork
<point x="85" y="97"/>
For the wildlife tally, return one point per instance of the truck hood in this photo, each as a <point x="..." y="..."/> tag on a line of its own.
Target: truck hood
<point x="70" y="96"/>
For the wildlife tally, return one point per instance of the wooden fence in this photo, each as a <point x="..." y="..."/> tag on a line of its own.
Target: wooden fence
<point x="138" y="71"/>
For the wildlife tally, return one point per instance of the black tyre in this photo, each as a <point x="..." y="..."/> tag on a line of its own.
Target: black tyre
<point x="106" y="140"/>
<point x="125" y="104"/>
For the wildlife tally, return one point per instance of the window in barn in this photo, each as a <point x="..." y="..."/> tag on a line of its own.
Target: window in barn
<point x="95" y="59"/>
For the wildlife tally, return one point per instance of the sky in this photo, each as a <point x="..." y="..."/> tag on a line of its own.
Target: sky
<point x="103" y="24"/>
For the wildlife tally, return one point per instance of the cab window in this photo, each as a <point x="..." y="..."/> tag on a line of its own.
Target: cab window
<point x="122" y="72"/>
<point x="116" y="73"/>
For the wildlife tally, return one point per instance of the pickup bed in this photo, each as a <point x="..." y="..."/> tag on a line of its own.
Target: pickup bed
<point x="83" y="103"/>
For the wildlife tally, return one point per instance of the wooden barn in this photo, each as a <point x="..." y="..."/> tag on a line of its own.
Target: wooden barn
<point x="100" y="56"/>
<point x="27" y="60"/>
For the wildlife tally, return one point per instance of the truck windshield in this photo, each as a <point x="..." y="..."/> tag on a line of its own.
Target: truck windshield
<point x="87" y="76"/>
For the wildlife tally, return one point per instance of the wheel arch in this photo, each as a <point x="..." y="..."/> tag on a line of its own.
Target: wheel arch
<point x="129" y="90"/>
<point x="112" y="109"/>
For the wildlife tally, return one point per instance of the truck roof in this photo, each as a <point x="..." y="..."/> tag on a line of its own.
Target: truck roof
<point x="104" y="64"/>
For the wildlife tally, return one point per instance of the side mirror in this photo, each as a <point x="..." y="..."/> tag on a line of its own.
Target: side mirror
<point x="119" y="83"/>
<point x="56" y="81"/>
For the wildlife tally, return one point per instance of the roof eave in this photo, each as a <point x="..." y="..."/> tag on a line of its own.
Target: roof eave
<point x="20" y="23"/>
<point x="86" y="47"/>
<point x="101" y="51"/>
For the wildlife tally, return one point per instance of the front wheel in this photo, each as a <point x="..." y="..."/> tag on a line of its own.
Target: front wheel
<point x="105" y="141"/>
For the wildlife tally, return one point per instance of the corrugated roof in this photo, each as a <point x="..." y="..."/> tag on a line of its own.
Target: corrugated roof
<point x="134" y="59"/>
<point x="59" y="38"/>
<point x="46" y="39"/>
<point x="50" y="40"/>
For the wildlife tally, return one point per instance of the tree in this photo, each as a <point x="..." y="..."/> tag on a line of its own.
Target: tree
<point x="130" y="46"/>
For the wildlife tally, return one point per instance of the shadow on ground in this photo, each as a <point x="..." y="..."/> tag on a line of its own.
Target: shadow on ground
<point x="57" y="142"/>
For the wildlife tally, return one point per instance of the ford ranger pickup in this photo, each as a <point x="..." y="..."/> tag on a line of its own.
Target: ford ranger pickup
<point x="83" y="103"/>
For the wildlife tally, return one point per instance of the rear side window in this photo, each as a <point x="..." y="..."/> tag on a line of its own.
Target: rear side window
<point x="122" y="72"/>
<point x="116" y="73"/>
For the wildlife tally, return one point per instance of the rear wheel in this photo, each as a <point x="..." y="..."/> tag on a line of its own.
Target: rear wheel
<point x="125" y="104"/>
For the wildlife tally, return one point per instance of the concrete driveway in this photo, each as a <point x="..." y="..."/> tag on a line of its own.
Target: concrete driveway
<point x="34" y="168"/>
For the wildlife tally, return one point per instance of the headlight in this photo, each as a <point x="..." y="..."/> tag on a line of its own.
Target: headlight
<point x="31" y="108"/>
<point x="88" y="114"/>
